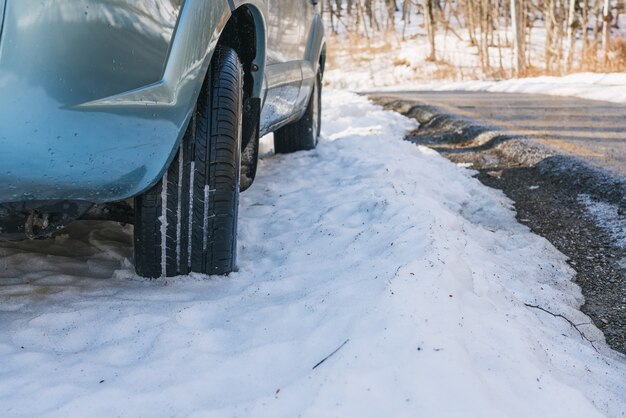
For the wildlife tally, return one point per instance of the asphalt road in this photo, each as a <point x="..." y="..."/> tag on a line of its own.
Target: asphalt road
<point x="592" y="130"/>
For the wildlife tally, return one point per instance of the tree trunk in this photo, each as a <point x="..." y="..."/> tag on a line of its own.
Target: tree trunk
<point x="471" y="21"/>
<point x="499" y="38"/>
<point x="391" y="15"/>
<point x="585" y="25"/>
<point x="518" y="38"/>
<point x="606" y="30"/>
<point x="331" y="14"/>
<point x="571" y="28"/>
<point x="561" y="20"/>
<point x="429" y="21"/>
<point x="550" y="22"/>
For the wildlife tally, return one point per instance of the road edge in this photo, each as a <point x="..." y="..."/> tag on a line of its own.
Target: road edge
<point x="444" y="126"/>
<point x="600" y="264"/>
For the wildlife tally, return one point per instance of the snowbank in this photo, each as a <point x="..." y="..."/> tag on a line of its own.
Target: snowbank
<point x="606" y="87"/>
<point x="397" y="261"/>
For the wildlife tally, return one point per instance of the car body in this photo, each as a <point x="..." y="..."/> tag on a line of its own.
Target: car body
<point x="95" y="95"/>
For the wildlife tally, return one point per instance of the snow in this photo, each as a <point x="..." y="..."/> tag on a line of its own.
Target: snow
<point x="397" y="261"/>
<point x="396" y="64"/>
<point x="387" y="60"/>
<point x="594" y="86"/>
<point x="607" y="216"/>
<point x="397" y="61"/>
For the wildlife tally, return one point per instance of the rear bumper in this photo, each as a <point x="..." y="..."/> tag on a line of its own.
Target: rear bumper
<point x="56" y="153"/>
<point x="97" y="125"/>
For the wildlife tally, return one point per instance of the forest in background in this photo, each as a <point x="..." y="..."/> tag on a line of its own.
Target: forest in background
<point x="507" y="38"/>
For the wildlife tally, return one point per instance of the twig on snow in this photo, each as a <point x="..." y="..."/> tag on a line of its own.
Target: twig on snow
<point x="331" y="354"/>
<point x="573" y="325"/>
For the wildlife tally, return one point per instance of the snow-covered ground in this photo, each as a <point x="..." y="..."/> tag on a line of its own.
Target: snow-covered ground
<point x="606" y="87"/>
<point x="399" y="262"/>
<point x="397" y="60"/>
<point x="608" y="217"/>
<point x="392" y="64"/>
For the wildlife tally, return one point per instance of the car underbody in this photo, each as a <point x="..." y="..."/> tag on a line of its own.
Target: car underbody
<point x="35" y="220"/>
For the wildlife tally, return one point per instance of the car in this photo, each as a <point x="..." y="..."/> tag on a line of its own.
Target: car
<point x="150" y="112"/>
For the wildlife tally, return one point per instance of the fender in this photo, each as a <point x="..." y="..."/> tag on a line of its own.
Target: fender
<point x="173" y="98"/>
<point x="189" y="58"/>
<point x="258" y="9"/>
<point x="314" y="61"/>
<point x="316" y="45"/>
<point x="119" y="142"/>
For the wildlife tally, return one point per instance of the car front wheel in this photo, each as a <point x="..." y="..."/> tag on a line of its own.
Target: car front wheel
<point x="187" y="222"/>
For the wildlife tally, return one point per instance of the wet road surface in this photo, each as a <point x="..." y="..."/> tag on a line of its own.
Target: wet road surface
<point x="592" y="130"/>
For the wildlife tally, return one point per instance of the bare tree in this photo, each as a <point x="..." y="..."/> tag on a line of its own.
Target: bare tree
<point x="571" y="27"/>
<point x="429" y="21"/>
<point x="518" y="37"/>
<point x="606" y="30"/>
<point x="493" y="24"/>
<point x="585" y="26"/>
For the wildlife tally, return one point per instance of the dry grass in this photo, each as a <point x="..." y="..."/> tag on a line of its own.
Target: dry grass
<point x="618" y="55"/>
<point x="401" y="62"/>
<point x="446" y="71"/>
<point x="358" y="48"/>
<point x="361" y="50"/>
<point x="594" y="61"/>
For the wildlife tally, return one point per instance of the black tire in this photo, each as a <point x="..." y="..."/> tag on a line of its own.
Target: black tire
<point x="303" y="134"/>
<point x="187" y="222"/>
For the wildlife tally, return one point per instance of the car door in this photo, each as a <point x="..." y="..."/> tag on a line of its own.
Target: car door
<point x="286" y="44"/>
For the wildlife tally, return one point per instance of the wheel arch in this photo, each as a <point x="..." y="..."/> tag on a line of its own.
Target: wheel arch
<point x="246" y="33"/>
